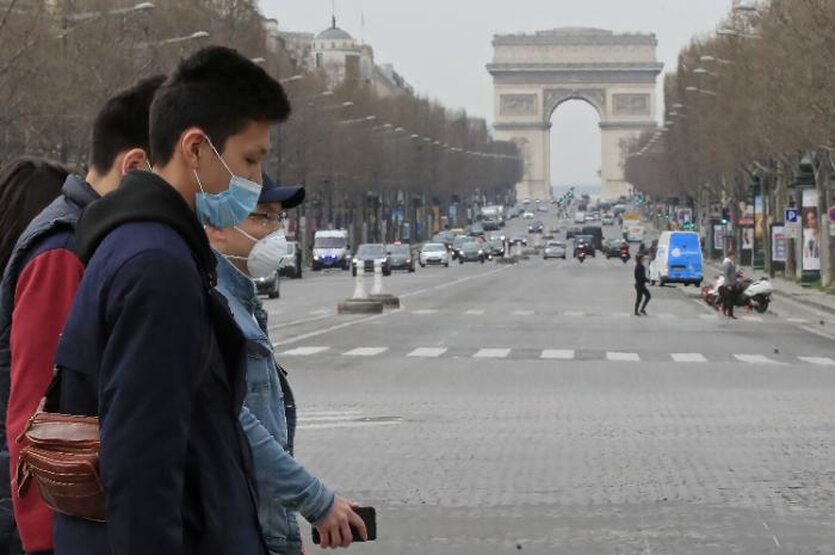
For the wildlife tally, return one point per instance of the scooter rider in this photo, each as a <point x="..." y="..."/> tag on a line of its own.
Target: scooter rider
<point x="728" y="291"/>
<point x="641" y="280"/>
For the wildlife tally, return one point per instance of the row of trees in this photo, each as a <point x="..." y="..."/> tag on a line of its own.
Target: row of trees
<point x="59" y="60"/>
<point x="754" y="102"/>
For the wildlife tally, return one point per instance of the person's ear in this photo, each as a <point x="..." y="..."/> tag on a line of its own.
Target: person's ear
<point x="191" y="142"/>
<point x="134" y="159"/>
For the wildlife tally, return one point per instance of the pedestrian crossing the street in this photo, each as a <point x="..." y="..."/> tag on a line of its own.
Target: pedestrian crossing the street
<point x="555" y="354"/>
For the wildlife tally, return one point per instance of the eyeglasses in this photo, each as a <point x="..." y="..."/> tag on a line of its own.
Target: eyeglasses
<point x="270" y="219"/>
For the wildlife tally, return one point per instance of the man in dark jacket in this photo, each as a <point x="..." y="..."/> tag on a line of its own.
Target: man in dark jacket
<point x="641" y="280"/>
<point x="39" y="286"/>
<point x="149" y="346"/>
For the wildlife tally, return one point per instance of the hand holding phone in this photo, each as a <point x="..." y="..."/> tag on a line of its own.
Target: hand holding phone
<point x="346" y="522"/>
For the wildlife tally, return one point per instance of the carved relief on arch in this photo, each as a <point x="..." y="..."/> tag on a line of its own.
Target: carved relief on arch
<point x="555" y="97"/>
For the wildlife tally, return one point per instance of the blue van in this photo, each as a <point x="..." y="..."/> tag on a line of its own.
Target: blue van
<point x="678" y="259"/>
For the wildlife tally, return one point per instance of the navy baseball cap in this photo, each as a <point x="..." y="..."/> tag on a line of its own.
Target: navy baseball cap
<point x="289" y="197"/>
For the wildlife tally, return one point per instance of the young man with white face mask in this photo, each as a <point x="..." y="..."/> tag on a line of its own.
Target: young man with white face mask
<point x="253" y="249"/>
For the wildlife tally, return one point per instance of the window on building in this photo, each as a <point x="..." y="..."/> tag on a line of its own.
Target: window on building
<point x="352" y="67"/>
<point x="319" y="60"/>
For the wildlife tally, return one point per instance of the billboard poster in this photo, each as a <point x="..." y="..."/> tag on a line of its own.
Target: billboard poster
<point x="779" y="244"/>
<point x="747" y="238"/>
<point x="810" y="223"/>
<point x="718" y="237"/>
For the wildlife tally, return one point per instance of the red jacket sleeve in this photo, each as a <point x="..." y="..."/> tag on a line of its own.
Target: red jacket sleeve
<point x="43" y="298"/>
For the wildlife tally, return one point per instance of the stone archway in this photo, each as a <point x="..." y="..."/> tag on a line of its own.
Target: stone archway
<point x="534" y="74"/>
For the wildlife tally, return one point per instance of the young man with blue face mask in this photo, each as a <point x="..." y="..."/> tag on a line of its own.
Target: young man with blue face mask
<point x="149" y="346"/>
<point x="249" y="250"/>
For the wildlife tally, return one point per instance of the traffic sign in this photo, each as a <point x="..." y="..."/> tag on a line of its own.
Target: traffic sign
<point x="792" y="216"/>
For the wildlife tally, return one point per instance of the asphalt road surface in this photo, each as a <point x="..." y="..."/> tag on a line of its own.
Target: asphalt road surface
<point x="522" y="408"/>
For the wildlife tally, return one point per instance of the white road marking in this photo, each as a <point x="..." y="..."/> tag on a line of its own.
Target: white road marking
<point x="755" y="359"/>
<point x="621" y="315"/>
<point x="365" y="352"/>
<point x="688" y="357"/>
<point x="667" y="316"/>
<point x="492" y="353"/>
<point x="818" y="361"/>
<point x="575" y="314"/>
<point x="355" y="424"/>
<point x="474" y="312"/>
<point x="427" y="352"/>
<point x="425" y="311"/>
<point x="622" y="357"/>
<point x="552" y="354"/>
<point x="798" y="321"/>
<point x="320" y="312"/>
<point x="523" y="312"/>
<point x="304" y="351"/>
<point x="752" y="318"/>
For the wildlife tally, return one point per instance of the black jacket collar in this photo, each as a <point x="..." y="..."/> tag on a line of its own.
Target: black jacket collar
<point x="144" y="197"/>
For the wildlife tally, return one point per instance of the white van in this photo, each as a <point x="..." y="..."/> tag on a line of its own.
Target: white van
<point x="579" y="217"/>
<point x="331" y="250"/>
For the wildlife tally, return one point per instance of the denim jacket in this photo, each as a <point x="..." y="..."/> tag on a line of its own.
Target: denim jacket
<point x="268" y="419"/>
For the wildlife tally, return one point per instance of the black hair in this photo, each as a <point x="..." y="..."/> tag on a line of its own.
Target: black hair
<point x="218" y="90"/>
<point x="122" y="123"/>
<point x="27" y="186"/>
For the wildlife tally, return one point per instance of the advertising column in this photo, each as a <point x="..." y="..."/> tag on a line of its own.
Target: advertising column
<point x="810" y="237"/>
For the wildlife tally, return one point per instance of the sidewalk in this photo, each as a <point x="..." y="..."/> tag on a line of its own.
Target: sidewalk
<point x="807" y="296"/>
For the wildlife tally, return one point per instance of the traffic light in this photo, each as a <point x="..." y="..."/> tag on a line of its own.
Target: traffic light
<point x="726" y="216"/>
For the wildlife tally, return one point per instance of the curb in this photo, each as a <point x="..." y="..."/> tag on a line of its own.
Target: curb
<point x="351" y="306"/>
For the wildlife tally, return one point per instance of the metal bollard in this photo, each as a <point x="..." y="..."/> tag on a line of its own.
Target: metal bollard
<point x="378" y="278"/>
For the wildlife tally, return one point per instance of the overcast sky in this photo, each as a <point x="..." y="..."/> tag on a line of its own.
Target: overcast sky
<point x="442" y="46"/>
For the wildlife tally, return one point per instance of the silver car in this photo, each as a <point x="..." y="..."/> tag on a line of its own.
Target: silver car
<point x="434" y="254"/>
<point x="554" y="249"/>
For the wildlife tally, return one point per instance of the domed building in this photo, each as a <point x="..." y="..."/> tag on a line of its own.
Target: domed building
<point x="337" y="53"/>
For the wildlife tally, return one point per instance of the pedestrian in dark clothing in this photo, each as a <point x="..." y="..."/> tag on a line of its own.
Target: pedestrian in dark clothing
<point x="39" y="287"/>
<point x="150" y="346"/>
<point x="642" y="293"/>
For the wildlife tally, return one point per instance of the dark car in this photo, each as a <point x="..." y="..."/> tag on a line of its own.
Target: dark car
<point x="490" y="224"/>
<point x="585" y="242"/>
<point x="572" y="232"/>
<point x="519" y="239"/>
<point x="472" y="251"/>
<point x="496" y="246"/>
<point x="268" y="285"/>
<point x="536" y="226"/>
<point x="476" y="230"/>
<point x="458" y="242"/>
<point x="401" y="257"/>
<point x="612" y="247"/>
<point x="597" y="233"/>
<point x="367" y="254"/>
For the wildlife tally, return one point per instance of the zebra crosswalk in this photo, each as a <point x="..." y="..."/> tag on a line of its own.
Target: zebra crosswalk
<point x="555" y="354"/>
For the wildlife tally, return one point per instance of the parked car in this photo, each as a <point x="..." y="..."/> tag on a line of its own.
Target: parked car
<point x="367" y="254"/>
<point x="433" y="254"/>
<point x="401" y="257"/>
<point x="536" y="227"/>
<point x="472" y="252"/>
<point x="268" y="286"/>
<point x="291" y="263"/>
<point x="554" y="249"/>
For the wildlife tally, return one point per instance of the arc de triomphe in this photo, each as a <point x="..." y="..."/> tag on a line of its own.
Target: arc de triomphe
<point x="534" y="74"/>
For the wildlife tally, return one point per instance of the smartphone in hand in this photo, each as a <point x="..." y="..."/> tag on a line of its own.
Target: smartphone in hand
<point x="368" y="516"/>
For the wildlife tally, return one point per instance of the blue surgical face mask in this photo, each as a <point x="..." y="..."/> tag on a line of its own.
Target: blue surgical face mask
<point x="232" y="206"/>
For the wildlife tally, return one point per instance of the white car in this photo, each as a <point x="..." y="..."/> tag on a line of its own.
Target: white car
<point x="433" y="254"/>
<point x="527" y="216"/>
